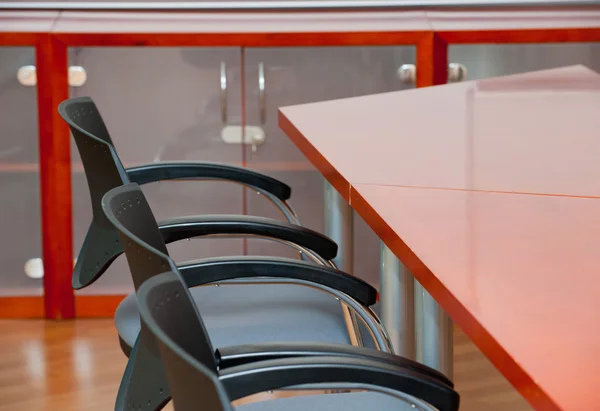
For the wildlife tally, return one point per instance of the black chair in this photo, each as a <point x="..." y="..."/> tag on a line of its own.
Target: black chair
<point x="101" y="247"/>
<point x="284" y="304"/>
<point x="104" y="171"/>
<point x="200" y="378"/>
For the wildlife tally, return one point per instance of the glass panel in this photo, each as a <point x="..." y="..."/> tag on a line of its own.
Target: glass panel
<point x="490" y="60"/>
<point x="20" y="217"/>
<point x="303" y="75"/>
<point x="163" y="104"/>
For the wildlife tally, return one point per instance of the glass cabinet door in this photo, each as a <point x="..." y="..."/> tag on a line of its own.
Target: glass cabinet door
<point x="491" y="60"/>
<point x="164" y="104"/>
<point x="278" y="77"/>
<point x="20" y="214"/>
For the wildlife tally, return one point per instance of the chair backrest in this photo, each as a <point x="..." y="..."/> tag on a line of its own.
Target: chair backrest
<point x="102" y="166"/>
<point x="169" y="314"/>
<point x="128" y="211"/>
<point x="104" y="171"/>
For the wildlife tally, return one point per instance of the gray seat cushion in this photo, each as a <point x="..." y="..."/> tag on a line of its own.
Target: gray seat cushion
<point x="246" y="314"/>
<point x="356" y="401"/>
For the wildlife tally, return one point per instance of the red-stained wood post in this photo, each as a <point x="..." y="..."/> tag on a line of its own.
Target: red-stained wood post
<point x="55" y="179"/>
<point x="432" y="60"/>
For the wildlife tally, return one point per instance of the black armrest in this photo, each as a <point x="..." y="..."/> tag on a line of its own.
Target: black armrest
<point x="275" y="374"/>
<point x="211" y="270"/>
<point x="245" y="354"/>
<point x="195" y="226"/>
<point x="153" y="172"/>
<point x="101" y="246"/>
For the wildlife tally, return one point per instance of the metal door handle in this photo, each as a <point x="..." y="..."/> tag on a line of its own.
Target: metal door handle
<point x="456" y="73"/>
<point x="27" y="76"/>
<point x="261" y="93"/>
<point x="407" y="73"/>
<point x="224" y="92"/>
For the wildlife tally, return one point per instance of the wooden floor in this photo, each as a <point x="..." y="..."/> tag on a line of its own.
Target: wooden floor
<point x="77" y="366"/>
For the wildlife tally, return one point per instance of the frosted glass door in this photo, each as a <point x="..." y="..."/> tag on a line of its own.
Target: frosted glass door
<point x="491" y="60"/>
<point x="164" y="104"/>
<point x="20" y="214"/>
<point x="277" y="77"/>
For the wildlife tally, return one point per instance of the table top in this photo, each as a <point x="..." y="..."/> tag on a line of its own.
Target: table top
<point x="486" y="191"/>
<point x="534" y="132"/>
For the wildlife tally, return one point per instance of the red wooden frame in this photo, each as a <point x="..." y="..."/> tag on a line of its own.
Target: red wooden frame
<point x="432" y="61"/>
<point x="86" y="306"/>
<point x="20" y="38"/>
<point x="22" y="307"/>
<point x="566" y="35"/>
<point x="55" y="179"/>
<point x="97" y="306"/>
<point x="59" y="301"/>
<point x="242" y="39"/>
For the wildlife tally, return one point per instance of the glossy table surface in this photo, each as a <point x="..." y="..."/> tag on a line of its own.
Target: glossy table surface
<point x="536" y="132"/>
<point x="487" y="191"/>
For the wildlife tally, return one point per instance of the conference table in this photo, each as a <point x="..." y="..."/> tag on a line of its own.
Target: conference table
<point x="488" y="192"/>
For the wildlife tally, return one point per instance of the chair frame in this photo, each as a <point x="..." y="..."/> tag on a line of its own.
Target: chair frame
<point x="127" y="209"/>
<point x="170" y="316"/>
<point x="101" y="246"/>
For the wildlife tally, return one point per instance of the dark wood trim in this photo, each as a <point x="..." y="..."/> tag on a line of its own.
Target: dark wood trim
<point x="387" y="38"/>
<point x="432" y="61"/>
<point x="55" y="179"/>
<point x="21" y="307"/>
<point x="572" y="35"/>
<point x="20" y="38"/>
<point x="87" y="306"/>
<point x="97" y="306"/>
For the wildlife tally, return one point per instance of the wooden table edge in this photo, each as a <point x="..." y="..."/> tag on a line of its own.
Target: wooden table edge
<point x="331" y="174"/>
<point x="497" y="355"/>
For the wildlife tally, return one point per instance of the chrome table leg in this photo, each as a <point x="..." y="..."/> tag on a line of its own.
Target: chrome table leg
<point x="339" y="226"/>
<point x="396" y="286"/>
<point x="433" y="332"/>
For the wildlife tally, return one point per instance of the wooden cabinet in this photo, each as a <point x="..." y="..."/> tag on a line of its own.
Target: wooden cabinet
<point x="157" y="78"/>
<point x="490" y="60"/>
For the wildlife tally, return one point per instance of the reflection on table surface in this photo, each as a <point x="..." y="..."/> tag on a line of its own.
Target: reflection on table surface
<point x="534" y="133"/>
